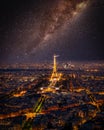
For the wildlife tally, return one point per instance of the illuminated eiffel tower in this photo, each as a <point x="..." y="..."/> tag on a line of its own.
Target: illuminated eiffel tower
<point x="55" y="76"/>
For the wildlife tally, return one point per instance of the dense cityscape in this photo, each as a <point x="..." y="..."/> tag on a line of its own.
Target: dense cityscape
<point x="51" y="65"/>
<point x="52" y="96"/>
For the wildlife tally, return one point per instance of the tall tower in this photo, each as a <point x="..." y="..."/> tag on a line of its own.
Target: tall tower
<point x="55" y="65"/>
<point x="55" y="76"/>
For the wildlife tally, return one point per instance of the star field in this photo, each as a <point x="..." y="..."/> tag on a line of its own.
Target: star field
<point x="35" y="30"/>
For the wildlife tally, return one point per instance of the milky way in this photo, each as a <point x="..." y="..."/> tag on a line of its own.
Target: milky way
<point x="57" y="14"/>
<point x="37" y="26"/>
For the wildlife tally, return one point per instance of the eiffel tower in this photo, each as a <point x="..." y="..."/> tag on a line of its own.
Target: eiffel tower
<point x="55" y="76"/>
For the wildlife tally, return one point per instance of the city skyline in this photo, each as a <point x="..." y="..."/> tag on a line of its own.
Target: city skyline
<point x="51" y="65"/>
<point x="47" y="99"/>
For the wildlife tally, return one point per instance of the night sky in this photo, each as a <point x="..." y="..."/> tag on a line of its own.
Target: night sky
<point x="33" y="30"/>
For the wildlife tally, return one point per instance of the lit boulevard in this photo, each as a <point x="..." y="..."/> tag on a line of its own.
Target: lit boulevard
<point x="68" y="97"/>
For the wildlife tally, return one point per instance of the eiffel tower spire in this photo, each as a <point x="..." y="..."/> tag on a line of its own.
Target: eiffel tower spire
<point x="55" y="65"/>
<point x="55" y="75"/>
